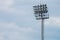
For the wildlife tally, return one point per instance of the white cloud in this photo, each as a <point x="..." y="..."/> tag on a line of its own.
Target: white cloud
<point x="6" y="2"/>
<point x="6" y="5"/>
<point x="53" y="21"/>
<point x="12" y="31"/>
<point x="2" y="36"/>
<point x="15" y="27"/>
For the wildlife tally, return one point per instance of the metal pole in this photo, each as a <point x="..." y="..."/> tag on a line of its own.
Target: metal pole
<point x="42" y="29"/>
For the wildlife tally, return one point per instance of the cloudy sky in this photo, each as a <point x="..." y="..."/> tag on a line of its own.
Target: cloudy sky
<point x="17" y="21"/>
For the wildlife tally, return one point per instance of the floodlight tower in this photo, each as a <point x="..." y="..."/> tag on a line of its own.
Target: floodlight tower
<point x="40" y="12"/>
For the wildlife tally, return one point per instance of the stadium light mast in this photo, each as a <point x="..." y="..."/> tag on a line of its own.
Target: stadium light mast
<point x="40" y="12"/>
